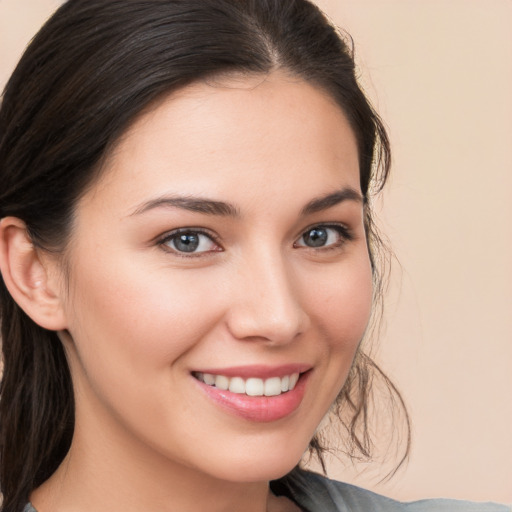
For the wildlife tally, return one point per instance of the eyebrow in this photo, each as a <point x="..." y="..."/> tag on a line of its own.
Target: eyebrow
<point x="324" y="202"/>
<point x="221" y="208"/>
<point x="193" y="204"/>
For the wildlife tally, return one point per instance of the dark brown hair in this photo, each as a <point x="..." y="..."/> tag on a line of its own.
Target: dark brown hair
<point x="92" y="68"/>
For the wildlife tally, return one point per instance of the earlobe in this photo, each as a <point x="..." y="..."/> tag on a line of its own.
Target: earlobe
<point x="30" y="278"/>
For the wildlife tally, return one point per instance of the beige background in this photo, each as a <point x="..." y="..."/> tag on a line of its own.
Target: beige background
<point x="440" y="73"/>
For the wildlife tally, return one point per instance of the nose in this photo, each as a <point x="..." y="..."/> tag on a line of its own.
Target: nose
<point x="266" y="303"/>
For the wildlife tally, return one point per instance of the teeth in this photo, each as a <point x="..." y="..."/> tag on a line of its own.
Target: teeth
<point x="253" y="386"/>
<point x="237" y="385"/>
<point x="273" y="386"/>
<point x="221" y="382"/>
<point x="294" y="377"/>
<point x="209" y="379"/>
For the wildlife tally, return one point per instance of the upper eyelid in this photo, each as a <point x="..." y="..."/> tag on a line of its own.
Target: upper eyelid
<point x="327" y="224"/>
<point x="173" y="232"/>
<point x="348" y="231"/>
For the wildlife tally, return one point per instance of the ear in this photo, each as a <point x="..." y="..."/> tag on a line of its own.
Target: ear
<point x="31" y="276"/>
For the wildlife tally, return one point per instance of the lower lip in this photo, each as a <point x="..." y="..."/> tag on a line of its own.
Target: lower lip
<point x="263" y="409"/>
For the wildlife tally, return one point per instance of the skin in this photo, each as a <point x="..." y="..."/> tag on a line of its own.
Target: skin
<point x="138" y="317"/>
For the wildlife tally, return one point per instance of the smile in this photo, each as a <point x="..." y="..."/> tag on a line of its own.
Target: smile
<point x="256" y="393"/>
<point x="252" y="386"/>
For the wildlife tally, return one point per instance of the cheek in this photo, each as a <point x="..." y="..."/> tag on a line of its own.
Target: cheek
<point x="340" y="308"/>
<point x="135" y="317"/>
<point x="343" y="305"/>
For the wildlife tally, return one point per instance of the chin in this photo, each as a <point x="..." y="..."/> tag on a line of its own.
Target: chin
<point x="269" y="461"/>
<point x="255" y="471"/>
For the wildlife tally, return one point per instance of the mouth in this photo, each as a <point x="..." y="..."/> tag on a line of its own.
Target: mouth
<point x="252" y="386"/>
<point x="256" y="394"/>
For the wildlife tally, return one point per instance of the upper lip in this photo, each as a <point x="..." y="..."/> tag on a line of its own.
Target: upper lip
<point x="258" y="371"/>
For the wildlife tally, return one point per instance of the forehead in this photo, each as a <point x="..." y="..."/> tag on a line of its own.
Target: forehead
<point x="238" y="134"/>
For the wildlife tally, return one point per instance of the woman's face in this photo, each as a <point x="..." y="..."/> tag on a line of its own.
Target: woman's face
<point x="222" y="247"/>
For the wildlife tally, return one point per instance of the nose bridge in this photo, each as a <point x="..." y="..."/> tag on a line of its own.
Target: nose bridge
<point x="268" y="305"/>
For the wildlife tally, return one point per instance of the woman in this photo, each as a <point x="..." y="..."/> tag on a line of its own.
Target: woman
<point x="188" y="258"/>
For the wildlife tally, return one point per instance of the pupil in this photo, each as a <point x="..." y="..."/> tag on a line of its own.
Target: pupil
<point x="316" y="237"/>
<point x="187" y="242"/>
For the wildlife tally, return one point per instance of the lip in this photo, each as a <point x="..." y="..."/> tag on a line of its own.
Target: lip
<point x="261" y="409"/>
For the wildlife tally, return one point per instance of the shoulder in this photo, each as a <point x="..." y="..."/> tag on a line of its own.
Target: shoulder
<point x="316" y="493"/>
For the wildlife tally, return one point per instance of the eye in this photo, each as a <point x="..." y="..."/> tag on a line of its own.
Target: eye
<point x="189" y="241"/>
<point x="324" y="236"/>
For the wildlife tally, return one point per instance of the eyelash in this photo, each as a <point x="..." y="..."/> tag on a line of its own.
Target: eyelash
<point x="173" y="235"/>
<point x="344" y="233"/>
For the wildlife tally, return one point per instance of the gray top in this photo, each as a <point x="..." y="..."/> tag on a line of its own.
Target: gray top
<point x="315" y="493"/>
